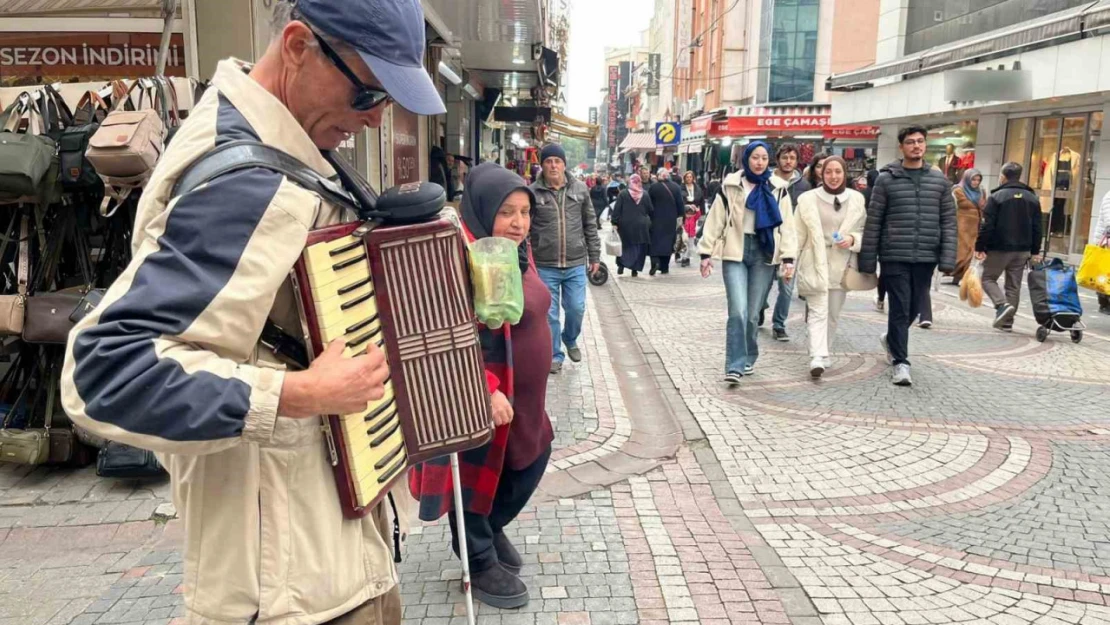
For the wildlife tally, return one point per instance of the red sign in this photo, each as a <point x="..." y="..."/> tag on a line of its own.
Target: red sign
<point x="29" y="57"/>
<point x="789" y="125"/>
<point x="700" y="124"/>
<point x="406" y="146"/>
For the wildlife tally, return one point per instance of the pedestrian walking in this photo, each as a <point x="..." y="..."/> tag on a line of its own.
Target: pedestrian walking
<point x="669" y="207"/>
<point x="712" y="189"/>
<point x="632" y="220"/>
<point x="749" y="229"/>
<point x="564" y="245"/>
<point x="971" y="199"/>
<point x="911" y="229"/>
<point x="829" y="222"/>
<point x="813" y="172"/>
<point x="694" y="198"/>
<point x="1009" y="237"/>
<point x="786" y="176"/>
<point x="598" y="197"/>
<point x="1102" y="231"/>
<point x="500" y="477"/>
<point x="171" y="359"/>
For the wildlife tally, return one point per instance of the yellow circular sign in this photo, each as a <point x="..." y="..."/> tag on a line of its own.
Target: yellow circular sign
<point x="666" y="133"/>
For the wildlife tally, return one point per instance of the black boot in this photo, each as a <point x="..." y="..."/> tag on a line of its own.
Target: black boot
<point x="507" y="554"/>
<point x="499" y="588"/>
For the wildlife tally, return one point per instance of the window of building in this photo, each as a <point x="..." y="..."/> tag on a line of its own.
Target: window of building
<point x="793" y="50"/>
<point x="932" y="23"/>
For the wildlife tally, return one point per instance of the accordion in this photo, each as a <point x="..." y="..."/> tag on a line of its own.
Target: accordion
<point x="405" y="289"/>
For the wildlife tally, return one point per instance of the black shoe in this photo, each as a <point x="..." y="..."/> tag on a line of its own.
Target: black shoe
<point x="653" y="271"/>
<point x="620" y="271"/>
<point x="732" y="378"/>
<point x="635" y="274"/>
<point x="762" y="317"/>
<point x="499" y="588"/>
<point x="780" y="335"/>
<point x="1105" y="311"/>
<point x="664" y="272"/>
<point x="507" y="554"/>
<point x="1004" y="316"/>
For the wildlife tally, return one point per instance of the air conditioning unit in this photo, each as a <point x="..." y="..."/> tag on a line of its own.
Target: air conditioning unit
<point x="699" y="100"/>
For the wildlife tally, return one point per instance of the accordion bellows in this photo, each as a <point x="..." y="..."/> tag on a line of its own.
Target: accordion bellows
<point x="405" y="289"/>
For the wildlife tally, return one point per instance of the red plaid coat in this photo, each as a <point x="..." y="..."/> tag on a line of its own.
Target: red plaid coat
<point x="479" y="469"/>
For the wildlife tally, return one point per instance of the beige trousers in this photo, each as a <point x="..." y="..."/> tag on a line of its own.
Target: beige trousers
<point x="821" y="320"/>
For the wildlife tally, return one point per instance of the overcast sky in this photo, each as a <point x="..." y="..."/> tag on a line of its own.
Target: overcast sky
<point x="595" y="24"/>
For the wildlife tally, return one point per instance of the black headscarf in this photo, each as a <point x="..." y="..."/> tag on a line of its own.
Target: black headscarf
<point x="487" y="187"/>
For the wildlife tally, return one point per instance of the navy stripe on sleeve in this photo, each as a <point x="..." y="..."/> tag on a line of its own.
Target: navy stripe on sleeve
<point x="118" y="375"/>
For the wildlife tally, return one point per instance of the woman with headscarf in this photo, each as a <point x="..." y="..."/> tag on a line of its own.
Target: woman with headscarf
<point x="750" y="229"/>
<point x="499" y="478"/>
<point x="970" y="201"/>
<point x="631" y="217"/>
<point x="829" y="222"/>
<point x="666" y="199"/>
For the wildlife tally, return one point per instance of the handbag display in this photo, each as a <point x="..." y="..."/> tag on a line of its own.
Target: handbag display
<point x="75" y="169"/>
<point x="13" y="307"/>
<point x="128" y="143"/>
<point x="124" y="461"/>
<point x="29" y="446"/>
<point x="26" y="157"/>
<point x="48" y="315"/>
<point x="854" y="280"/>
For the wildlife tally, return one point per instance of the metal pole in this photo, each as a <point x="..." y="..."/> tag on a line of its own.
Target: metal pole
<point x="169" y="13"/>
<point x="460" y="525"/>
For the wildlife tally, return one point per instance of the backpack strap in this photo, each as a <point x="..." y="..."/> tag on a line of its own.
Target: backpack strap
<point x="247" y="154"/>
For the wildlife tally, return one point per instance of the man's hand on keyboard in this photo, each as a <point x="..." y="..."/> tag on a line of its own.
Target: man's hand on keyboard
<point x="334" y="384"/>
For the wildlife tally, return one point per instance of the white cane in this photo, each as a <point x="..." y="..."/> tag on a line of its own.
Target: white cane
<point x="456" y="485"/>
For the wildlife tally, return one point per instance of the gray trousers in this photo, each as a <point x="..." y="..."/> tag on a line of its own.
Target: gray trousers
<point x="1013" y="265"/>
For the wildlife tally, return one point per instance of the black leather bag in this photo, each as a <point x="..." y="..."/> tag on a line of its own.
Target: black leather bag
<point x="124" y="461"/>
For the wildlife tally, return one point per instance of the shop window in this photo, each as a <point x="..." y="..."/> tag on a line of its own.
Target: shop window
<point x="1019" y="134"/>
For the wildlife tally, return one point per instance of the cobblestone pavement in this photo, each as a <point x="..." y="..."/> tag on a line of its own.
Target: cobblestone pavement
<point x="980" y="495"/>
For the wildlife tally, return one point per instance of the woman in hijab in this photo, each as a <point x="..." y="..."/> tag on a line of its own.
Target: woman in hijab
<point x="829" y="222"/>
<point x="750" y="229"/>
<point x="970" y="201"/>
<point x="500" y="477"/>
<point x="631" y="217"/>
<point x="666" y="200"/>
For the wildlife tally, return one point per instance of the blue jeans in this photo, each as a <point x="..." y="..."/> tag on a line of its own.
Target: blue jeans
<point x="746" y="286"/>
<point x="782" y="300"/>
<point x="568" y="291"/>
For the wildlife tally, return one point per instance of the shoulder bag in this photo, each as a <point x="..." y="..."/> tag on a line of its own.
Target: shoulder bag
<point x="128" y="143"/>
<point x="26" y="156"/>
<point x="48" y="316"/>
<point x="853" y="280"/>
<point x="27" y="446"/>
<point x="76" y="171"/>
<point x="13" y="307"/>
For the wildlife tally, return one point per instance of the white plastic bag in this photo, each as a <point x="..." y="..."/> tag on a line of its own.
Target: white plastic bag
<point x="613" y="244"/>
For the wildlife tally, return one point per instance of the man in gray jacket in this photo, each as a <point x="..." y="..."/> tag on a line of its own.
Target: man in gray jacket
<point x="911" y="228"/>
<point x="564" y="240"/>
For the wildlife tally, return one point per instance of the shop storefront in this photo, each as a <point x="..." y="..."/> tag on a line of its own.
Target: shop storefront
<point x="1059" y="156"/>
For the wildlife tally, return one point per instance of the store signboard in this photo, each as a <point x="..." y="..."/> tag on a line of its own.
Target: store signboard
<point x="787" y="125"/>
<point x="685" y="33"/>
<point x="406" y="146"/>
<point x="614" y="94"/>
<point x="28" y="58"/>
<point x="655" y="68"/>
<point x="593" y="115"/>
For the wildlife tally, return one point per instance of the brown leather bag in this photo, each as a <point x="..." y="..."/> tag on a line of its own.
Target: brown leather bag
<point x="47" y="319"/>
<point x="13" y="307"/>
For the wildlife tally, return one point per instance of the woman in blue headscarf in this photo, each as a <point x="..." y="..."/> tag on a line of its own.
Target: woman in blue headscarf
<point x="750" y="229"/>
<point x="971" y="199"/>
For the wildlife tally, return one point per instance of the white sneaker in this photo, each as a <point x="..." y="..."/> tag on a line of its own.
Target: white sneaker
<point x="816" y="367"/>
<point x="886" y="348"/>
<point x="901" y="376"/>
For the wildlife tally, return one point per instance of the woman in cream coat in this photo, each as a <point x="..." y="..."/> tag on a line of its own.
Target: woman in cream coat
<point x="829" y="223"/>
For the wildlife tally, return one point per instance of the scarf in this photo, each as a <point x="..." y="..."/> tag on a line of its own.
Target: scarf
<point x="762" y="201"/>
<point x="833" y="195"/>
<point x="487" y="187"/>
<point x="636" y="188"/>
<point x="975" y="195"/>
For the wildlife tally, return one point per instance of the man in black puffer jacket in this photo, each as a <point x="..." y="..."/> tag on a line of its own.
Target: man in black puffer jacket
<point x="911" y="228"/>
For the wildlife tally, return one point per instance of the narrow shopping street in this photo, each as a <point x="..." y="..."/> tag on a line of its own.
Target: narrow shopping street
<point x="978" y="495"/>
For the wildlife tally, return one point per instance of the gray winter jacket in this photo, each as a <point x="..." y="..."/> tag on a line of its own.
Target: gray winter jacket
<point x="564" y="227"/>
<point x="910" y="222"/>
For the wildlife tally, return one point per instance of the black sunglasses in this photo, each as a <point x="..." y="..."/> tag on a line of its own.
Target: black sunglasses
<point x="366" y="97"/>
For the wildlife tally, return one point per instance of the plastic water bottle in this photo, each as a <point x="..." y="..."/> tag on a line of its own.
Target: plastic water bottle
<point x="837" y="237"/>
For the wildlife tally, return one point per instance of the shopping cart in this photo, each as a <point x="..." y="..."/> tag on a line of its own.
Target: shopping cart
<point x="1054" y="295"/>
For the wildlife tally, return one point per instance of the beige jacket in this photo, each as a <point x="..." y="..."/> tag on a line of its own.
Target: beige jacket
<point x="821" y="267"/>
<point x="718" y="226"/>
<point x="169" y="361"/>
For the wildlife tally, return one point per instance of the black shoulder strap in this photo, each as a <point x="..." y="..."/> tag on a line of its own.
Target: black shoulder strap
<point x="246" y="154"/>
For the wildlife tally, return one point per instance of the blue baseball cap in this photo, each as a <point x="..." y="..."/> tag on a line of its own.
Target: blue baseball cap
<point x="389" y="36"/>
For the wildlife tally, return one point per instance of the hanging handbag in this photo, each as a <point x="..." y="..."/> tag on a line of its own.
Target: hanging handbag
<point x="27" y="446"/>
<point x="124" y="461"/>
<point x="76" y="172"/>
<point x="26" y="157"/>
<point x="128" y="143"/>
<point x="13" y="307"/>
<point x="48" y="314"/>
<point x="853" y="280"/>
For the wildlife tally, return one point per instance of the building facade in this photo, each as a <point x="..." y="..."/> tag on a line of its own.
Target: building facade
<point x="1051" y="124"/>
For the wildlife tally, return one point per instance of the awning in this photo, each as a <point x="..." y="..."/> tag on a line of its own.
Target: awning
<point x="638" y="141"/>
<point x="568" y="126"/>
<point x="1046" y="31"/>
<point x="14" y="7"/>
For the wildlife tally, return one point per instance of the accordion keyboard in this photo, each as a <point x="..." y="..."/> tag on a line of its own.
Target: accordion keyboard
<point x="346" y="308"/>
